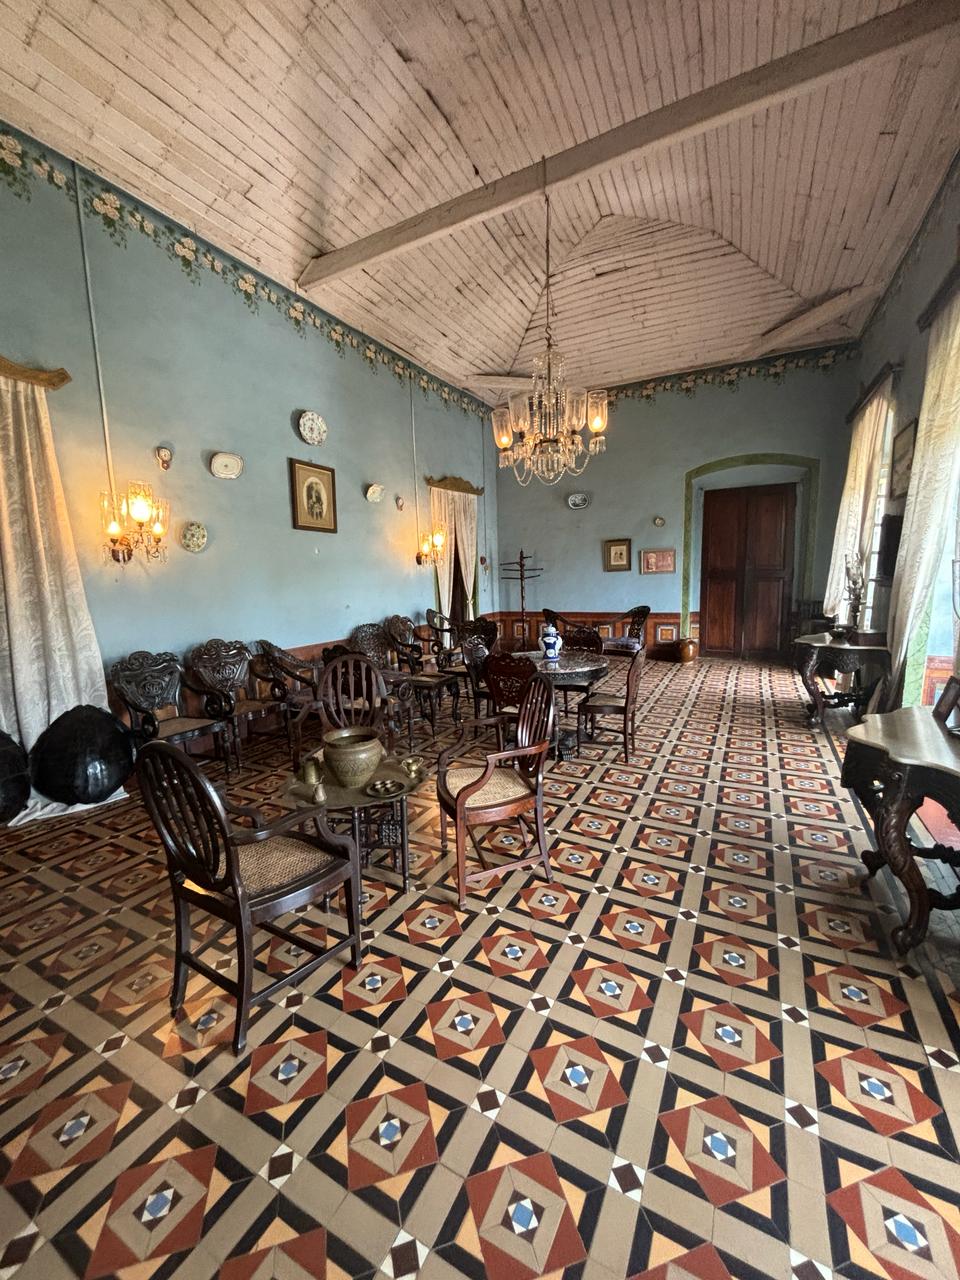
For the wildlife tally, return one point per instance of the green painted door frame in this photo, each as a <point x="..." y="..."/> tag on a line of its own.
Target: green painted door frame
<point x="808" y="515"/>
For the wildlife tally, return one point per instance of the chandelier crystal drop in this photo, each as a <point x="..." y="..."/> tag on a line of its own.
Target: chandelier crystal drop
<point x="539" y="432"/>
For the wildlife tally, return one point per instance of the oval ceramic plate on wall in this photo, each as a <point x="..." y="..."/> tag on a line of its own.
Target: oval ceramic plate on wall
<point x="312" y="427"/>
<point x="578" y="501"/>
<point x="193" y="536"/>
<point x="226" y="466"/>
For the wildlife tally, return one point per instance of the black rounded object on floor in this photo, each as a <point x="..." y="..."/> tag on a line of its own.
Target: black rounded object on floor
<point x="83" y="757"/>
<point x="14" y="778"/>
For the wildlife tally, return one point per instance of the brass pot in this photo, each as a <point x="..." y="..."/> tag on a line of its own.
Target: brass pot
<point x="352" y="755"/>
<point x="686" y="649"/>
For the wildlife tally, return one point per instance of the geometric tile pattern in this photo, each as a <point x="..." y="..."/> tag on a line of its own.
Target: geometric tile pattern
<point x="692" y="1056"/>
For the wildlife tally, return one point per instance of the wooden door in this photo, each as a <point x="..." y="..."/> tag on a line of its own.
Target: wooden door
<point x="746" y="580"/>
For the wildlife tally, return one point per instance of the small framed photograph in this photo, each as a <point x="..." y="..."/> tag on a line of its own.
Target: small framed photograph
<point x="658" y="560"/>
<point x="901" y="459"/>
<point x="313" y="494"/>
<point x="616" y="555"/>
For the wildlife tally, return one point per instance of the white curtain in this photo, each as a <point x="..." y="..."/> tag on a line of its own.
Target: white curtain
<point x="934" y="490"/>
<point x="443" y="516"/>
<point x="465" y="518"/>
<point x="858" y="504"/>
<point x="49" y="657"/>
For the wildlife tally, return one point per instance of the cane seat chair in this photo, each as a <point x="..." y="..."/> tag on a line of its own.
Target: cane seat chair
<point x="597" y="705"/>
<point x="485" y="628"/>
<point x="508" y="785"/>
<point x="506" y="676"/>
<point x="586" y="640"/>
<point x="229" y="668"/>
<point x="150" y="686"/>
<point x="246" y="876"/>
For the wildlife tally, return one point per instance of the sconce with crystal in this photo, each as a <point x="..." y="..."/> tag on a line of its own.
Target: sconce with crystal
<point x="134" y="523"/>
<point x="431" y="548"/>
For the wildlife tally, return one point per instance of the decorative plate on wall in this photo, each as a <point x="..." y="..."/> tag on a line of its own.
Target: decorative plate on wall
<point x="193" y="536"/>
<point x="226" y="466"/>
<point x="374" y="492"/>
<point x="578" y="501"/>
<point x="312" y="427"/>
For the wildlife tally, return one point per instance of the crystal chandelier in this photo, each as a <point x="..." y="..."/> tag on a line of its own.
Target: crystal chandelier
<point x="538" y="432"/>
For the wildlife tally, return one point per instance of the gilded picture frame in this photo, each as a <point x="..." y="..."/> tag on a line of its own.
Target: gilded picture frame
<point x="313" y="496"/>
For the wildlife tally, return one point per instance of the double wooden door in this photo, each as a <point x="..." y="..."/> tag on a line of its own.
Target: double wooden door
<point x="746" y="576"/>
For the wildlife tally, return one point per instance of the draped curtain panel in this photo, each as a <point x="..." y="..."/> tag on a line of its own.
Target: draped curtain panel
<point x="465" y="517"/>
<point x="858" y="503"/>
<point x="443" y="516"/>
<point x="932" y="499"/>
<point x="49" y="657"/>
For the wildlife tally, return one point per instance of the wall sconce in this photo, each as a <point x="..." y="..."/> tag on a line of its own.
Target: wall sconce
<point x="431" y="548"/>
<point x="135" y="523"/>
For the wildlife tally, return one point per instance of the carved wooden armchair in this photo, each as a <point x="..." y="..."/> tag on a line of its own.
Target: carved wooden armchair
<point x="150" y="687"/>
<point x="247" y="876"/>
<point x="485" y="628"/>
<point x="445" y="638"/>
<point x="597" y="705"/>
<point x="509" y="784"/>
<point x="229" y="668"/>
<point x="635" y="637"/>
<point x="353" y="694"/>
<point x="373" y="640"/>
<point x="587" y="640"/>
<point x="402" y="636"/>
<point x="301" y="677"/>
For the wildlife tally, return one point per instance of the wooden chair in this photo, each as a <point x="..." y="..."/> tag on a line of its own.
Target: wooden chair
<point x="485" y="628"/>
<point x="475" y="653"/>
<point x="150" y="687"/>
<point x="402" y="636"/>
<point x="352" y="693"/>
<point x="598" y="704"/>
<point x="229" y="668"/>
<point x="246" y="876"/>
<point x="506" y="676"/>
<point x="509" y="784"/>
<point x="372" y="639"/>
<point x="586" y="639"/>
<point x="301" y="677"/>
<point x="636" y="634"/>
<point x="445" y="639"/>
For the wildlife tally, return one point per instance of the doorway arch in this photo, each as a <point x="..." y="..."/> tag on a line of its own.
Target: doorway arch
<point x="808" y="498"/>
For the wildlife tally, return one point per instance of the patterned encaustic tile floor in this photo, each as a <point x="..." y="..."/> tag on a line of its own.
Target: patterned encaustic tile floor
<point x="693" y="1056"/>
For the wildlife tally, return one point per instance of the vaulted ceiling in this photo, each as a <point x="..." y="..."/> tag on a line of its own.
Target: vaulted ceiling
<point x="282" y="130"/>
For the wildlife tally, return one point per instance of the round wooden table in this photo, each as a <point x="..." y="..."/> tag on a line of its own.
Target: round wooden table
<point x="573" y="667"/>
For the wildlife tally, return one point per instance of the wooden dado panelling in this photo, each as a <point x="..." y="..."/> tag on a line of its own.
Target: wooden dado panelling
<point x="661" y="628"/>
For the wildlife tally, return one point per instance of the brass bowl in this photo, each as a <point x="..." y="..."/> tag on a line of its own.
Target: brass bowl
<point x="352" y="755"/>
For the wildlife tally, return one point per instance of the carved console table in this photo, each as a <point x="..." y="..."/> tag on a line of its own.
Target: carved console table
<point x="893" y="763"/>
<point x="821" y="652"/>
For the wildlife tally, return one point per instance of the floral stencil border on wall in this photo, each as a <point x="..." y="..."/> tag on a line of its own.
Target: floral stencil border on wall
<point x="24" y="163"/>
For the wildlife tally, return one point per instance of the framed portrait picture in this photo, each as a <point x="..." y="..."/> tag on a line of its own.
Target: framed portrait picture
<point x="658" y="560"/>
<point x="313" y="494"/>
<point x="616" y="555"/>
<point x="901" y="459"/>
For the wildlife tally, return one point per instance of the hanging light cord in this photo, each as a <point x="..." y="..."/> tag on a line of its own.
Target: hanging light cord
<point x="104" y="420"/>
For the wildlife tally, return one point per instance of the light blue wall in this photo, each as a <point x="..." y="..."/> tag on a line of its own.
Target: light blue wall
<point x="188" y="365"/>
<point x="651" y="447"/>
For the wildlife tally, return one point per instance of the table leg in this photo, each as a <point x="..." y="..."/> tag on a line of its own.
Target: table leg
<point x="404" y="844"/>
<point x="807" y="661"/>
<point x="894" y="813"/>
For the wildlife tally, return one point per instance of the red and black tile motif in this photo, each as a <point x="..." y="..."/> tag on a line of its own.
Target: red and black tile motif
<point x="689" y="1056"/>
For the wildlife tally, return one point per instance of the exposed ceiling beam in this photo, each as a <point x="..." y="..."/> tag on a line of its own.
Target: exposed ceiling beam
<point x="832" y="308"/>
<point x="754" y="90"/>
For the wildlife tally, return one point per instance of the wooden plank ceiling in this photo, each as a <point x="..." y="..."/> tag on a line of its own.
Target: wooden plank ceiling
<point x="282" y="130"/>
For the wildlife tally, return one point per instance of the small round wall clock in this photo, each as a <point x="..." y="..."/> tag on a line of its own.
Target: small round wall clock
<point x="578" y="501"/>
<point x="312" y="427"/>
<point x="193" y="536"/>
<point x="226" y="466"/>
